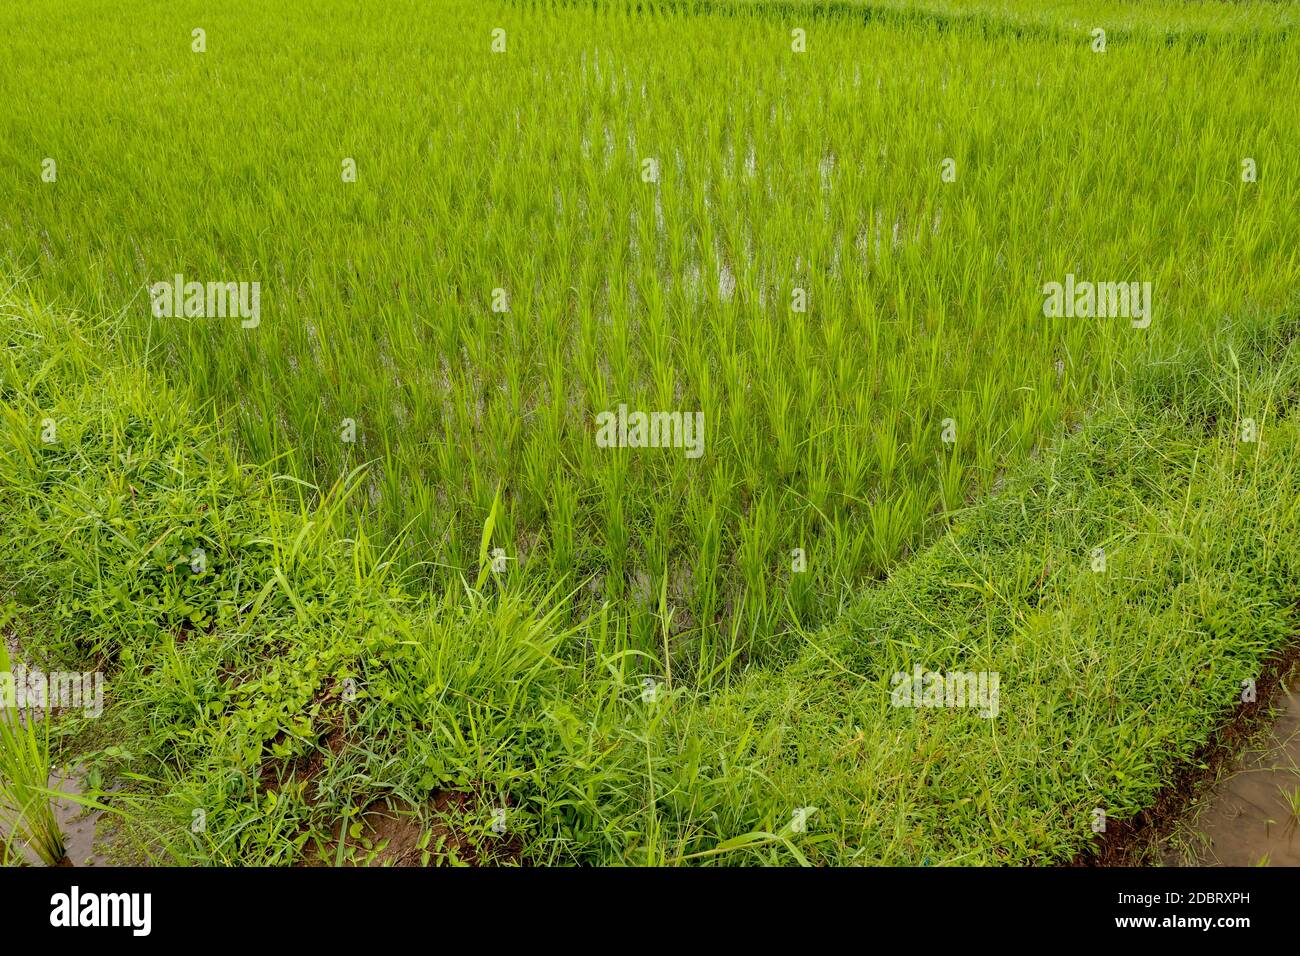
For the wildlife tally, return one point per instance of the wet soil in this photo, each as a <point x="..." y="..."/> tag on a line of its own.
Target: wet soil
<point x="1203" y="809"/>
<point x="1246" y="819"/>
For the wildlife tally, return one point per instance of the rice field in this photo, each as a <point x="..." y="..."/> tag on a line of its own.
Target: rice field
<point x="649" y="342"/>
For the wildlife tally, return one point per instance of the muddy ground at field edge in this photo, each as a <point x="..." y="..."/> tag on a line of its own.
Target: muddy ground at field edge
<point x="1136" y="842"/>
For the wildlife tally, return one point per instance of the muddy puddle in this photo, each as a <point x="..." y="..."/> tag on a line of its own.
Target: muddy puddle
<point x="1250" y="816"/>
<point x="77" y="823"/>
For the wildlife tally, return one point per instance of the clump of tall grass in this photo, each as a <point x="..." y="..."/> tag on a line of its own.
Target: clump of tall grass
<point x="26" y="803"/>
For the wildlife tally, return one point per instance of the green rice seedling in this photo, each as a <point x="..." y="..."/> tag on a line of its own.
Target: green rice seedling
<point x="8" y="855"/>
<point x="1292" y="798"/>
<point x="27" y="816"/>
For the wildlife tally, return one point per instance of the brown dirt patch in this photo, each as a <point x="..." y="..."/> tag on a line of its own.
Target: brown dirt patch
<point x="451" y="827"/>
<point x="1134" y="842"/>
